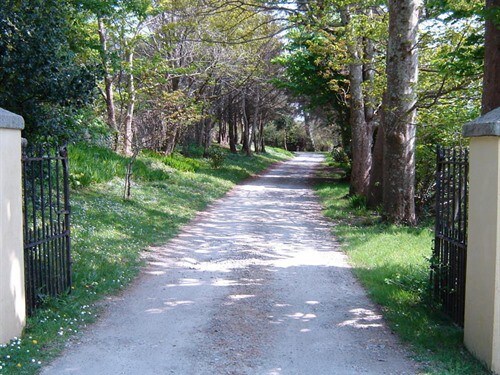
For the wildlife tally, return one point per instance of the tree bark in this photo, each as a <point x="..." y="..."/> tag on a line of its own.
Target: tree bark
<point x="399" y="112"/>
<point x="310" y="146"/>
<point x="491" y="80"/>
<point x="232" y="143"/>
<point x="261" y="133"/>
<point x="361" y="131"/>
<point x="108" y="80"/>
<point x="232" y="129"/>
<point x="375" y="194"/>
<point x="246" y="128"/>
<point x="128" y="130"/>
<point x="255" y="121"/>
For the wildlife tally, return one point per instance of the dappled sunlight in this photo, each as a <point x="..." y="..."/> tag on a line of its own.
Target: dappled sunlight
<point x="363" y="318"/>
<point x="255" y="283"/>
<point x="241" y="296"/>
<point x="168" y="305"/>
<point x="274" y="371"/>
<point x="304" y="317"/>
<point x="178" y="303"/>
<point x="258" y="228"/>
<point x="186" y="282"/>
<point x="224" y="282"/>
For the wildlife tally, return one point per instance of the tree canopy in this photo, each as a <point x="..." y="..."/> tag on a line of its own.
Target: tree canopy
<point x="166" y="75"/>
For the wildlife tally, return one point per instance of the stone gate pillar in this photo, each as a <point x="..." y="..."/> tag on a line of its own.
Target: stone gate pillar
<point x="12" y="297"/>
<point x="482" y="293"/>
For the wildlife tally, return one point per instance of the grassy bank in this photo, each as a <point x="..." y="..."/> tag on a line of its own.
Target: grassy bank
<point x="392" y="263"/>
<point x="108" y="233"/>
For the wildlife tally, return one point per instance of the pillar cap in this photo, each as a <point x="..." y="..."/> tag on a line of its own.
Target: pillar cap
<point x="484" y="126"/>
<point x="9" y="120"/>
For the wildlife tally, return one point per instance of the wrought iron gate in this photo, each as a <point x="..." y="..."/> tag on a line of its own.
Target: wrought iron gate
<point x="450" y="245"/>
<point x="46" y="224"/>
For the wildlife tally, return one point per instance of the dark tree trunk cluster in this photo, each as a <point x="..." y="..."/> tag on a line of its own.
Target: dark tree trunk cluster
<point x="383" y="144"/>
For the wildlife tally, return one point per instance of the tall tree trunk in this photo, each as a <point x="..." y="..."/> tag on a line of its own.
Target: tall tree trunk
<point x="246" y="128"/>
<point x="108" y="81"/>
<point x="491" y="80"/>
<point x="261" y="134"/>
<point x="310" y="146"/>
<point x="375" y="194"/>
<point x="220" y="135"/>
<point x="171" y="140"/>
<point x="235" y="125"/>
<point x="232" y="129"/>
<point x="361" y="132"/>
<point x="129" y="118"/>
<point x="256" y="115"/>
<point x="361" y="129"/>
<point x="375" y="190"/>
<point x="232" y="143"/>
<point x="207" y="133"/>
<point x="399" y="111"/>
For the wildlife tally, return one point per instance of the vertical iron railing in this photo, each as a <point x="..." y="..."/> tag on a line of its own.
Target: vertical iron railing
<point x="450" y="244"/>
<point x="46" y="209"/>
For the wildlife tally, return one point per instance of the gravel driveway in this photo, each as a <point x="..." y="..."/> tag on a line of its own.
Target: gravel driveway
<point x="255" y="285"/>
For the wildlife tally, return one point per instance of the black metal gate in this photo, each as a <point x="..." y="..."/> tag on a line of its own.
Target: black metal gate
<point x="46" y="212"/>
<point x="450" y="245"/>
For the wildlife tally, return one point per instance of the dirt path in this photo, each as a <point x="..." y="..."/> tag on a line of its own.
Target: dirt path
<point x="255" y="285"/>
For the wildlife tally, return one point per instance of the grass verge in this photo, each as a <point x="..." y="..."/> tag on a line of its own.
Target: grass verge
<point x="392" y="264"/>
<point x="108" y="233"/>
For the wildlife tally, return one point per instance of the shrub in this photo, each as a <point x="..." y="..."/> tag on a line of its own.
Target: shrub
<point x="217" y="156"/>
<point x="357" y="202"/>
<point x="192" y="151"/>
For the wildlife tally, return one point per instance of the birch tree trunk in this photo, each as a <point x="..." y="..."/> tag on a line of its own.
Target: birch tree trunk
<point x="400" y="113"/>
<point x="108" y="80"/>
<point x="491" y="80"/>
<point x="128" y="130"/>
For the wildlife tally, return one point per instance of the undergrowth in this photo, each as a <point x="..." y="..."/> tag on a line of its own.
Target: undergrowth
<point x="109" y="233"/>
<point x="392" y="262"/>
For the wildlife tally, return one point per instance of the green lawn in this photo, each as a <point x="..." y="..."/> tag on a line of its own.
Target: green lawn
<point x="392" y="262"/>
<point x="109" y="233"/>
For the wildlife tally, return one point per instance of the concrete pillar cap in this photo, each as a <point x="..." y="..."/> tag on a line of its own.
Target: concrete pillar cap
<point x="487" y="125"/>
<point x="9" y="120"/>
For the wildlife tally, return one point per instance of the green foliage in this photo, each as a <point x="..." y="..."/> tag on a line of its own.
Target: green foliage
<point x="41" y="78"/>
<point x="357" y="202"/>
<point x="149" y="166"/>
<point x="217" y="155"/>
<point x="182" y="163"/>
<point x="286" y="133"/>
<point x="313" y="77"/>
<point x="339" y="155"/>
<point x="392" y="262"/>
<point x="191" y="150"/>
<point x="306" y="69"/>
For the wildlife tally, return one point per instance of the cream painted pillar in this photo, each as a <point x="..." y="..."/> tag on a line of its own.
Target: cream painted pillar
<point x="482" y="293"/>
<point x="12" y="299"/>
